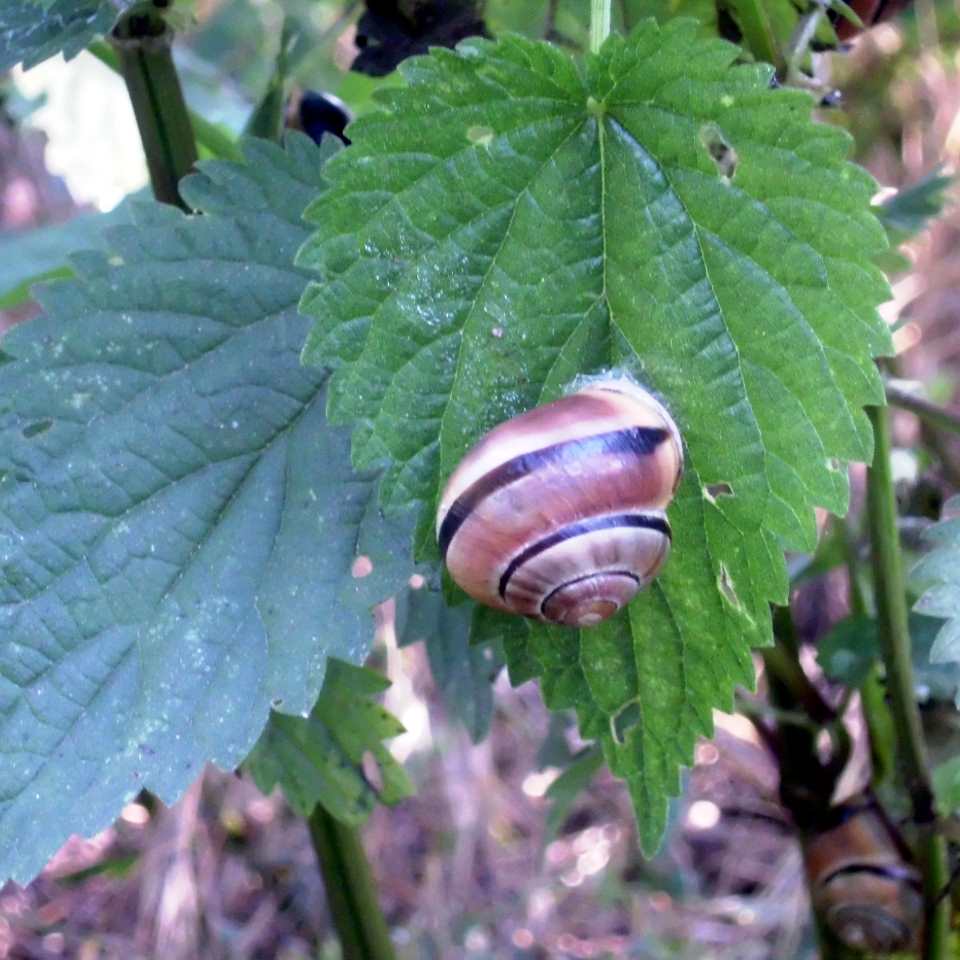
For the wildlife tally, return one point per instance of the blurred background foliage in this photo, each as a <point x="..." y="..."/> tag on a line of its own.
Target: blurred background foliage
<point x="518" y="845"/>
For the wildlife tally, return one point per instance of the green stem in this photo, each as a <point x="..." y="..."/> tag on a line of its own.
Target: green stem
<point x="876" y="713"/>
<point x="799" y="44"/>
<point x="940" y="417"/>
<point x="351" y="892"/>
<point x="143" y="43"/>
<point x="599" y="23"/>
<point x="209" y="135"/>
<point x="891" y="604"/>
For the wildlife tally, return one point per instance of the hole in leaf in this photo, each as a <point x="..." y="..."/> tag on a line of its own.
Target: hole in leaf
<point x="626" y="717"/>
<point x="362" y="567"/>
<point x="371" y="771"/>
<point x="712" y="491"/>
<point x="276" y="702"/>
<point x="726" y="587"/>
<point x="417" y="582"/>
<point x="35" y="429"/>
<point x="721" y="152"/>
<point x="482" y="136"/>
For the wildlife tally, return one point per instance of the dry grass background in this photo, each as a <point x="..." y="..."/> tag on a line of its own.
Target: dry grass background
<point x="465" y="868"/>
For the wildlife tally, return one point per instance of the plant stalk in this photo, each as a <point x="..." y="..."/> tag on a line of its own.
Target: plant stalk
<point x="891" y="605"/>
<point x="876" y="713"/>
<point x="209" y="135"/>
<point x="143" y="42"/>
<point x="351" y="892"/>
<point x="599" y="23"/>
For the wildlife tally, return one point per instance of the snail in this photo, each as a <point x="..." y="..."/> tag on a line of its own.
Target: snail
<point x="559" y="513"/>
<point x="861" y="879"/>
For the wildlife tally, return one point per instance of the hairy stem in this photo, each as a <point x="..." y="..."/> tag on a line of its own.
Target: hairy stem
<point x="599" y="23"/>
<point x="351" y="892"/>
<point x="895" y="648"/>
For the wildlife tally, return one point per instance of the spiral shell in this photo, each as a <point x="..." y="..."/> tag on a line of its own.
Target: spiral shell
<point x="560" y="513"/>
<point x="863" y="886"/>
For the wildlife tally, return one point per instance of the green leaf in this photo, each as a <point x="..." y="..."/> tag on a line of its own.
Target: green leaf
<point x="26" y="258"/>
<point x="320" y="758"/>
<point x="946" y="786"/>
<point x="463" y="673"/>
<point x="565" y="790"/>
<point x="509" y="221"/>
<point x="849" y="651"/>
<point x="938" y="575"/>
<point x="29" y="36"/>
<point x="910" y="210"/>
<point x="177" y="520"/>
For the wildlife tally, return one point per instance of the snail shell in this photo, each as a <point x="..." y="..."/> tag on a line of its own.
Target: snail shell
<point x="559" y="513"/>
<point x="862" y="884"/>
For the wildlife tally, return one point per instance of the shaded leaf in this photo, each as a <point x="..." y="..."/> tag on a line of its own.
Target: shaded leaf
<point x="463" y="673"/>
<point x="851" y="649"/>
<point x="30" y="34"/>
<point x="565" y="790"/>
<point x="509" y="221"/>
<point x="321" y="758"/>
<point x="910" y="210"/>
<point x="26" y="258"/>
<point x="177" y="520"/>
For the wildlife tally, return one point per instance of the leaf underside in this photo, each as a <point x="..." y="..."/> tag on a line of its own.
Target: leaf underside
<point x="938" y="573"/>
<point x="320" y="759"/>
<point x="29" y="35"/>
<point x="510" y="220"/>
<point x="177" y="520"/>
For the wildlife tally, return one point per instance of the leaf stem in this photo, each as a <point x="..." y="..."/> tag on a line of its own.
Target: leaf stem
<point x="599" y="23"/>
<point x="209" y="135"/>
<point x="351" y="892"/>
<point x="891" y="604"/>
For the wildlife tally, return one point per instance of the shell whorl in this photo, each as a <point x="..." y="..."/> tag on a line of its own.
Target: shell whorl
<point x="862" y="885"/>
<point x="559" y="513"/>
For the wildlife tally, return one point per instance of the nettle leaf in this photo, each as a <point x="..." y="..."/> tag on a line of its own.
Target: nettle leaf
<point x="177" y="520"/>
<point x="938" y="574"/>
<point x="510" y="220"/>
<point x="30" y="256"/>
<point x="30" y="34"/>
<point x="334" y="757"/>
<point x="462" y="671"/>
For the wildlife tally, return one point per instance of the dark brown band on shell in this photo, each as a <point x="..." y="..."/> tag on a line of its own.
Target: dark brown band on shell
<point x="640" y="441"/>
<point x="586" y="576"/>
<point x="892" y="871"/>
<point x="572" y="530"/>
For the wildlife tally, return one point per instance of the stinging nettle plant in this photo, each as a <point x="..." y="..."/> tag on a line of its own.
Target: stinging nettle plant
<point x="225" y="406"/>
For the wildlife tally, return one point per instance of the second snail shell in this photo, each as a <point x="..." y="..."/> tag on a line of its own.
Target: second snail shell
<point x="861" y="884"/>
<point x="559" y="514"/>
